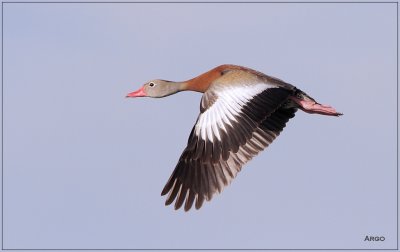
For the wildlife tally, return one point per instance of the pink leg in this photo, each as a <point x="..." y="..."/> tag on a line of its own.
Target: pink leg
<point x="313" y="107"/>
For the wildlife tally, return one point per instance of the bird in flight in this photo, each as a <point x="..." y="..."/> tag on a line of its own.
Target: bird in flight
<point x="241" y="112"/>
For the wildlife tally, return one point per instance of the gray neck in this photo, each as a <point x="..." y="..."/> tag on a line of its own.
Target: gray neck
<point x="170" y="88"/>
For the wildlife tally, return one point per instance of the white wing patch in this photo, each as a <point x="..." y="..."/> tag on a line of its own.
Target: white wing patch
<point x="229" y="104"/>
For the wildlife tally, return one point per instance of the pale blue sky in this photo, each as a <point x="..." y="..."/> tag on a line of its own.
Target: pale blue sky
<point x="84" y="167"/>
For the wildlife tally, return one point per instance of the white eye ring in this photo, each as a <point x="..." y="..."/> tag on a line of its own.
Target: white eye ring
<point x="151" y="84"/>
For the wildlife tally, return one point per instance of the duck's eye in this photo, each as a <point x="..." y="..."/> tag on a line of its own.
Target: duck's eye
<point x="151" y="84"/>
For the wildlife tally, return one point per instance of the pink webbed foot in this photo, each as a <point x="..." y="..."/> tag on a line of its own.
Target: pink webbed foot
<point x="313" y="107"/>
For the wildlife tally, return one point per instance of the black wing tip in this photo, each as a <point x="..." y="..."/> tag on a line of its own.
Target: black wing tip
<point x="188" y="203"/>
<point x="168" y="202"/>
<point x="164" y="192"/>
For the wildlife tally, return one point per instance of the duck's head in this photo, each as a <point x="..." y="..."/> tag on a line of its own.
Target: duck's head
<point x="156" y="89"/>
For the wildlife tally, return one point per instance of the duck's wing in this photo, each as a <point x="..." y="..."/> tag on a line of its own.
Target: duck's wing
<point x="235" y="124"/>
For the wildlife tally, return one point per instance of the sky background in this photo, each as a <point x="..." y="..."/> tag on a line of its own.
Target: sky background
<point x="84" y="167"/>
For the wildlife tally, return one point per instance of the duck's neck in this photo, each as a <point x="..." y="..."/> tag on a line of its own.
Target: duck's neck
<point x="170" y="88"/>
<point x="201" y="82"/>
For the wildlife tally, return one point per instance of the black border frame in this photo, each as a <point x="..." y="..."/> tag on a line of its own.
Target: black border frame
<point x="197" y="2"/>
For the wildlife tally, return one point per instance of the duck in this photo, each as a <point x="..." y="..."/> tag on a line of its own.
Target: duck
<point x="242" y="111"/>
